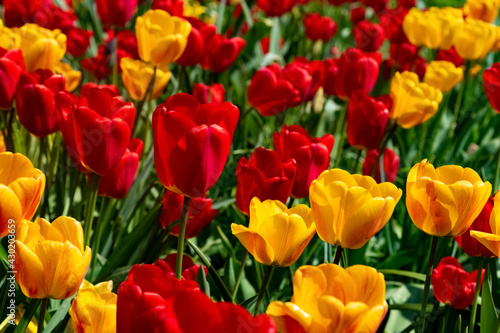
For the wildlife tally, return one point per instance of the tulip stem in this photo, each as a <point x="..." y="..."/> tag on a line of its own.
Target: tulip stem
<point x="476" y="294"/>
<point x="425" y="297"/>
<point x="240" y="274"/>
<point x="393" y="126"/>
<point x="356" y="162"/>
<point x="91" y="200"/>
<point x="41" y="318"/>
<point x="338" y="255"/>
<point x="458" y="102"/>
<point x="182" y="233"/>
<point x="140" y="105"/>
<point x="339" y="133"/>
<point x="497" y="326"/>
<point x="496" y="185"/>
<point x="262" y="289"/>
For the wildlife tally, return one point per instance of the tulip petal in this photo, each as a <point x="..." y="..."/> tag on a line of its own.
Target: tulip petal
<point x="66" y="229"/>
<point x="254" y="243"/>
<point x="289" y="317"/>
<point x="492" y="242"/>
<point x="32" y="281"/>
<point x="10" y="209"/>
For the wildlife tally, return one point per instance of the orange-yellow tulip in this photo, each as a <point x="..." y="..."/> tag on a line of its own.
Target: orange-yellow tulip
<point x="491" y="241"/>
<point x="276" y="235"/>
<point x="72" y="77"/>
<point x="21" y="189"/>
<point x="349" y="209"/>
<point x="50" y="259"/>
<point x="443" y="75"/>
<point x="445" y="201"/>
<point x="476" y="39"/>
<point x="329" y="298"/>
<point x="137" y="75"/>
<point x="94" y="308"/>
<point x="9" y="39"/>
<point x="484" y="10"/>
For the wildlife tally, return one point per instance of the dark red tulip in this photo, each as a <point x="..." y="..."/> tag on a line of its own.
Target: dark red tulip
<point x="377" y="5"/>
<point x="35" y="102"/>
<point x="469" y="244"/>
<point x="367" y="120"/>
<point x="392" y="22"/>
<point x="115" y="12"/>
<point x="403" y="54"/>
<point x="78" y="40"/>
<point x="491" y="84"/>
<point x="407" y="4"/>
<point x="452" y="285"/>
<point x="173" y="7"/>
<point x="222" y="53"/>
<point x="189" y="269"/>
<point x="368" y="36"/>
<point x="209" y="94"/>
<point x="101" y="65"/>
<point x="450" y="55"/>
<point x="127" y="42"/>
<point x="340" y="2"/>
<point x="11" y="67"/>
<point x="199" y="42"/>
<point x="264" y="176"/>
<point x="391" y="165"/>
<point x="276" y="7"/>
<point x="192" y="143"/>
<point x="87" y="87"/>
<point x="312" y="155"/>
<point x="315" y="68"/>
<point x="117" y="183"/>
<point x="331" y="72"/>
<point x="19" y="12"/>
<point x="358" y="14"/>
<point x="200" y="213"/>
<point x="319" y="28"/>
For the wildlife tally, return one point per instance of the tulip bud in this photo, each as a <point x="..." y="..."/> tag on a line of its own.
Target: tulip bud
<point x="276" y="7"/>
<point x="368" y="36"/>
<point x="199" y="42"/>
<point x="391" y="165"/>
<point x="392" y="22"/>
<point x="319" y="28"/>
<point x="11" y="67"/>
<point x="116" y="12"/>
<point x="491" y="84"/>
<point x="209" y="94"/>
<point x="221" y="53"/>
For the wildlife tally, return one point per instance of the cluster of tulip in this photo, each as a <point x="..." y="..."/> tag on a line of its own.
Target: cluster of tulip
<point x="230" y="134"/>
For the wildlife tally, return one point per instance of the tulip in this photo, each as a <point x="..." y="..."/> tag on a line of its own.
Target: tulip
<point x="476" y="39"/>
<point x="367" y="120"/>
<point x="93" y="310"/>
<point x="491" y="84"/>
<point x="264" y="176"/>
<point x="315" y="69"/>
<point x="491" y="240"/>
<point x="41" y="48"/>
<point x="209" y="94"/>
<point x="329" y="298"/>
<point x="78" y="40"/>
<point x="276" y="235"/>
<point x="50" y="258"/>
<point x="99" y="65"/>
<point x="484" y="10"/>
<point x="198" y="43"/>
<point x="319" y="28"/>
<point x="126" y="41"/>
<point x="445" y="201"/>
<point x="368" y="36"/>
<point x="376" y="5"/>
<point x="200" y="213"/>
<point x="349" y="209"/>
<point x="392" y="22"/>
<point x="21" y="189"/>
<point x="406" y="3"/>
<point x="443" y="75"/>
<point x="357" y="15"/>
<point x="35" y="101"/>
<point x="116" y="12"/>
<point x="450" y="55"/>
<point x="17" y="13"/>
<point x="192" y="143"/>
<point x="173" y="7"/>
<point x="470" y="245"/>
<point x="413" y="102"/>
<point x="117" y="183"/>
<point x="391" y="165"/>
<point x="137" y="76"/>
<point x="312" y="155"/>
<point x="11" y="67"/>
<point x="221" y="53"/>
<point x="276" y="7"/>
<point x="9" y="38"/>
<point x="452" y="285"/>
<point x="161" y="38"/>
<point x="71" y="76"/>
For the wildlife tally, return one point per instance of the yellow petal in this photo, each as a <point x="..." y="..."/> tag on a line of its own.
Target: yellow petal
<point x="30" y="273"/>
<point x="289" y="316"/>
<point x="370" y="285"/>
<point x="10" y="208"/>
<point x="66" y="229"/>
<point x="261" y="211"/>
<point x="254" y="243"/>
<point x="490" y="241"/>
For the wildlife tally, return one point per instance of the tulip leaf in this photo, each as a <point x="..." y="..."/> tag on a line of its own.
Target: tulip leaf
<point x="226" y="243"/>
<point x="248" y="303"/>
<point x="201" y="278"/>
<point x="413" y="275"/>
<point x="28" y="314"/>
<point x="59" y="316"/>
<point x="223" y="203"/>
<point x="488" y="311"/>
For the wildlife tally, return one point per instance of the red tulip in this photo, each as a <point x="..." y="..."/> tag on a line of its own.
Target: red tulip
<point x="358" y="14"/>
<point x="200" y="213"/>
<point x="101" y="65"/>
<point x="367" y="120"/>
<point x="11" y="67"/>
<point x="222" y="53"/>
<point x="115" y="12"/>
<point x="491" y="83"/>
<point x="192" y="143"/>
<point x="315" y="68"/>
<point x="78" y="40"/>
<point x="450" y="55"/>
<point x="199" y="42"/>
<point x="331" y="72"/>
<point x="19" y="12"/>
<point x="173" y="7"/>
<point x="127" y="42"/>
<point x="319" y="28"/>
<point x="368" y="36"/>
<point x="340" y="2"/>
<point x="469" y="244"/>
<point x="35" y="103"/>
<point x="391" y="165"/>
<point x="312" y="155"/>
<point x="407" y="4"/>
<point x="209" y="94"/>
<point x="276" y="7"/>
<point x="51" y="16"/>
<point x="264" y="176"/>
<point x="403" y="54"/>
<point x="392" y="22"/>
<point x="377" y="5"/>
<point x="117" y="183"/>
<point x="452" y="285"/>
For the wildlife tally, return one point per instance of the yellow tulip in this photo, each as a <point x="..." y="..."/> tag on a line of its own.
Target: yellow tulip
<point x="21" y="189"/>
<point x="161" y="38"/>
<point x="476" y="39"/>
<point x="3" y="148"/>
<point x="491" y="241"/>
<point x="50" y="259"/>
<point x="484" y="10"/>
<point x="413" y="102"/>
<point x="42" y="48"/>
<point x="329" y="298"/>
<point x="349" y="209"/>
<point x="276" y="235"/>
<point x="137" y="75"/>
<point x="443" y="75"/>
<point x="9" y="39"/>
<point x="72" y="77"/>
<point x="194" y="9"/>
<point x="94" y="308"/>
<point x="435" y="28"/>
<point x="445" y="201"/>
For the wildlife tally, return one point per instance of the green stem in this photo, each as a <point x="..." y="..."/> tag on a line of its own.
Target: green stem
<point x="262" y="289"/>
<point x="290" y="203"/>
<point x="423" y="140"/>
<point x="393" y="126"/>
<point x="356" y="162"/>
<point x="182" y="233"/>
<point x="497" y="326"/>
<point x="496" y="184"/>
<point x="40" y="154"/>
<point x="41" y="318"/>
<point x="96" y="244"/>
<point x="240" y="273"/>
<point x="114" y="78"/>
<point x="430" y="266"/>
<point x="90" y="202"/>
<point x="476" y="293"/>
<point x="338" y="255"/>
<point x="339" y="133"/>
<point x="141" y="103"/>
<point x="458" y="102"/>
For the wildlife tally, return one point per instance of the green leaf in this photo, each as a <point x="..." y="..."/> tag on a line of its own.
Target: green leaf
<point x="59" y="316"/>
<point x="488" y="311"/>
<point x="28" y="314"/>
<point x="247" y="304"/>
<point x="201" y="278"/>
<point x="413" y="275"/>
